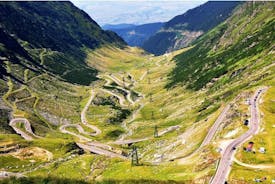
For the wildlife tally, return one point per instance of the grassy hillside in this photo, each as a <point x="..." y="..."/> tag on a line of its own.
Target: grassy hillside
<point x="49" y="32"/>
<point x="230" y="52"/>
<point x="187" y="88"/>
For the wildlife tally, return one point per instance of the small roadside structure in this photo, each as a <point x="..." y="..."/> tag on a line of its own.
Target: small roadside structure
<point x="219" y="150"/>
<point x="246" y="122"/>
<point x="249" y="147"/>
<point x="262" y="150"/>
<point x="259" y="180"/>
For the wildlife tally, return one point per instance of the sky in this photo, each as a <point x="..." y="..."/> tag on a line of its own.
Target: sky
<point x="134" y="11"/>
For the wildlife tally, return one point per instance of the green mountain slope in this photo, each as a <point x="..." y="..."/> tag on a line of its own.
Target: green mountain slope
<point x="183" y="29"/>
<point x="59" y="30"/>
<point x="231" y="51"/>
<point x="163" y="106"/>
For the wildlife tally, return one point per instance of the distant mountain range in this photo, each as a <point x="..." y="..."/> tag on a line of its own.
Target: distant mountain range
<point x="117" y="26"/>
<point x="183" y="29"/>
<point x="135" y="35"/>
<point x="159" y="38"/>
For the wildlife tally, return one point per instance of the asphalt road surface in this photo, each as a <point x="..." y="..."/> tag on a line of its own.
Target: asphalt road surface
<point x="27" y="127"/>
<point x="227" y="157"/>
<point x="83" y="116"/>
<point x="210" y="134"/>
<point x="100" y="151"/>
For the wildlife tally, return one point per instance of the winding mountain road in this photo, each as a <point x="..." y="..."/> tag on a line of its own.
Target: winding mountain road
<point x="260" y="166"/>
<point x="121" y="100"/>
<point x="128" y="96"/>
<point x="169" y="129"/>
<point x="90" y="145"/>
<point x="100" y="151"/>
<point x="118" y="81"/>
<point x="209" y="136"/>
<point x="109" y="80"/>
<point x="27" y="127"/>
<point x="215" y="127"/>
<point x="130" y="141"/>
<point x="82" y="138"/>
<point x="78" y="127"/>
<point x="227" y="157"/>
<point x="124" y="124"/>
<point x="83" y="116"/>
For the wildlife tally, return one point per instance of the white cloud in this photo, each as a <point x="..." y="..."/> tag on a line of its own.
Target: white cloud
<point x="134" y="11"/>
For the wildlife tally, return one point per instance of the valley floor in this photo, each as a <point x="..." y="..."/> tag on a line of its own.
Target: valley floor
<point x="179" y="134"/>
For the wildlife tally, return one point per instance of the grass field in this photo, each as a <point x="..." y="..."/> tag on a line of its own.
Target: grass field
<point x="162" y="107"/>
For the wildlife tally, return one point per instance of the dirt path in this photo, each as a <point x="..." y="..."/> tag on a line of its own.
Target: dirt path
<point x="41" y="56"/>
<point x="143" y="75"/>
<point x="120" y="99"/>
<point x="260" y="166"/>
<point x="5" y="174"/>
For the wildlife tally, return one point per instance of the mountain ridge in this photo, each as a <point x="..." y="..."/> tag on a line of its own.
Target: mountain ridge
<point x="48" y="26"/>
<point x="136" y="35"/>
<point x="181" y="30"/>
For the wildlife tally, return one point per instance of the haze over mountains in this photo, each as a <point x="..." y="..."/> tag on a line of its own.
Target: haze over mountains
<point x="134" y="12"/>
<point x="79" y="105"/>
<point x="135" y="35"/>
<point x="178" y="32"/>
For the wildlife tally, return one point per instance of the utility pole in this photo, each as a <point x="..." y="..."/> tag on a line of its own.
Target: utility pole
<point x="123" y="80"/>
<point x="152" y="115"/>
<point x="134" y="156"/>
<point x="252" y="7"/>
<point x="156" y="131"/>
<point x="151" y="99"/>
